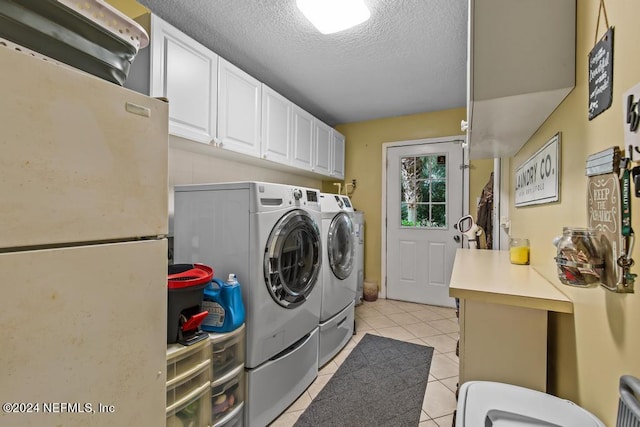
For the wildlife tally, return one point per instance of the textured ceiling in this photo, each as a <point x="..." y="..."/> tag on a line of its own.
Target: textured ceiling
<point x="409" y="57"/>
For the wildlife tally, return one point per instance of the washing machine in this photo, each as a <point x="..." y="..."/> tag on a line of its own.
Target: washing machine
<point x="268" y="235"/>
<point x="339" y="275"/>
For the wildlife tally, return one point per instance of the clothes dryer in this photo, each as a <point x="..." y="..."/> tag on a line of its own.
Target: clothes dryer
<point x="339" y="275"/>
<point x="268" y="235"/>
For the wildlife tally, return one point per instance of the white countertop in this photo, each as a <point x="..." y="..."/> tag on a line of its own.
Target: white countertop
<point x="488" y="276"/>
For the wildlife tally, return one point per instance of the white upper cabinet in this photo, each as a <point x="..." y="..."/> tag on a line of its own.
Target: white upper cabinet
<point x="184" y="72"/>
<point x="322" y="151"/>
<point x="214" y="102"/>
<point x="239" y="110"/>
<point x="337" y="154"/>
<point x="521" y="65"/>
<point x="303" y="134"/>
<point x="276" y="126"/>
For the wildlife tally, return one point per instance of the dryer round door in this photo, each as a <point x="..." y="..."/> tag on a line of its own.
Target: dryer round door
<point x="292" y="259"/>
<point x="340" y="245"/>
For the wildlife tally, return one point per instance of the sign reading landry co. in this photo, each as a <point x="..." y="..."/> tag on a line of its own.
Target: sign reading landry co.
<point x="537" y="180"/>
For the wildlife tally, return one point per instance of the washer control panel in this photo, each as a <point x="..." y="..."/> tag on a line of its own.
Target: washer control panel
<point x="300" y="196"/>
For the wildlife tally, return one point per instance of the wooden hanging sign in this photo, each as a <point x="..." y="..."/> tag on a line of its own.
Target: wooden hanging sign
<point x="604" y="210"/>
<point x="601" y="75"/>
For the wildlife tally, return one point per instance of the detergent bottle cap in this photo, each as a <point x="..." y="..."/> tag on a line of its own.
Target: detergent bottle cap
<point x="232" y="278"/>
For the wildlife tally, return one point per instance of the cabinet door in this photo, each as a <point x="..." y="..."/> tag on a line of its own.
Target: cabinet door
<point x="322" y="152"/>
<point x="184" y="72"/>
<point x="239" y="110"/>
<point x="276" y="126"/>
<point x="302" y="144"/>
<point x="337" y="154"/>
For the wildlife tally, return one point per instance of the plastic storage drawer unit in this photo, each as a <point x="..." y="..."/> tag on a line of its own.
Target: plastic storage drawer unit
<point x="192" y="411"/>
<point x="227" y="378"/>
<point x="188" y="384"/>
<point x="227" y="396"/>
<point x="227" y="352"/>
<point x="181" y="360"/>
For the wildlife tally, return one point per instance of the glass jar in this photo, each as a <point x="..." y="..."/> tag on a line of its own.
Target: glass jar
<point x="580" y="257"/>
<point x="519" y="251"/>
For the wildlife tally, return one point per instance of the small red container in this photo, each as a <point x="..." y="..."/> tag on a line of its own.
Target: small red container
<point x="186" y="285"/>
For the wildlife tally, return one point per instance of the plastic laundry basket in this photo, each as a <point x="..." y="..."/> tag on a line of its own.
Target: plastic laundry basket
<point x="487" y="403"/>
<point x="628" y="405"/>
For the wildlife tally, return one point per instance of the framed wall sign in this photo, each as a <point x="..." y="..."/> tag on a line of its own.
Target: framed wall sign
<point x="537" y="180"/>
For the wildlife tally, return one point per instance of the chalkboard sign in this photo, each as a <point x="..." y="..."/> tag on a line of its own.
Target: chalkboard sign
<point x="601" y="75"/>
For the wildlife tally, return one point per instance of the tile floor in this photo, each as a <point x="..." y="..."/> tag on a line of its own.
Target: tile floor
<point x="417" y="323"/>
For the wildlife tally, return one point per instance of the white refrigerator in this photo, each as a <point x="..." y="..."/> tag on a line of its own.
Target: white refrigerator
<point x="83" y="250"/>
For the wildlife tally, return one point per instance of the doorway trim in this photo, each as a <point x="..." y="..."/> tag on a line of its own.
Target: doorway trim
<point x="383" y="214"/>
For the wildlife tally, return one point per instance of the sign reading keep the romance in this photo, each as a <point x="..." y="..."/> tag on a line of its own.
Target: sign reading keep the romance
<point x="537" y="180"/>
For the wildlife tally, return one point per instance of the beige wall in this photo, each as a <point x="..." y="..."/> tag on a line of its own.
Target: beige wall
<point x="600" y="341"/>
<point x="363" y="162"/>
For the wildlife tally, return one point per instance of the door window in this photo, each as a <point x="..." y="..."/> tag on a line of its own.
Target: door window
<point x="292" y="259"/>
<point x="423" y="191"/>
<point x="340" y="246"/>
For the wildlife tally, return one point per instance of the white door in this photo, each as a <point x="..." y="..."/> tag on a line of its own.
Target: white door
<point x="424" y="199"/>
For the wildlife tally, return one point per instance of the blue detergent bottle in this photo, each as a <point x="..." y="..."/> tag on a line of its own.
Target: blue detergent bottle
<point x="223" y="301"/>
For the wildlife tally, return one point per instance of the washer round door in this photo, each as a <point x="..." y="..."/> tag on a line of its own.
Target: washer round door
<point x="340" y="245"/>
<point x="292" y="259"/>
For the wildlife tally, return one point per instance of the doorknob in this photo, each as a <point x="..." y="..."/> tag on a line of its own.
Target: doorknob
<point x="456" y="239"/>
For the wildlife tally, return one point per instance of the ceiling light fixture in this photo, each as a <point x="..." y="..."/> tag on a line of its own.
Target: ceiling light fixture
<point x="331" y="16"/>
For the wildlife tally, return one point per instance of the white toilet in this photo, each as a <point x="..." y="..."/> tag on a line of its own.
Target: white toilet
<point x="492" y="404"/>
